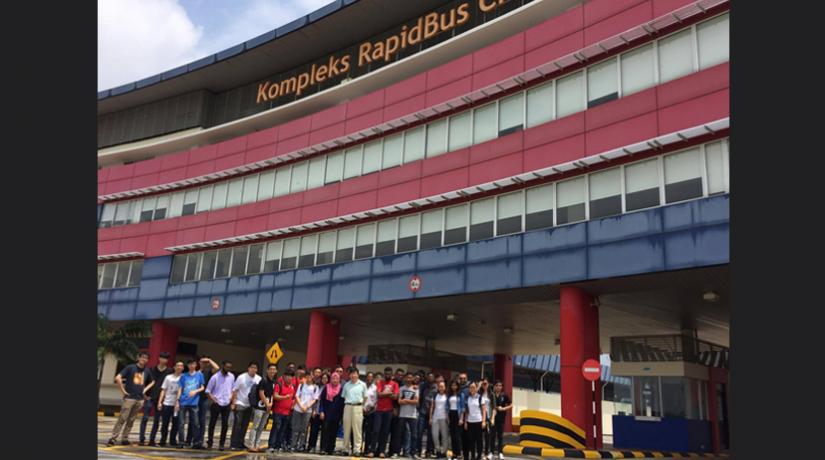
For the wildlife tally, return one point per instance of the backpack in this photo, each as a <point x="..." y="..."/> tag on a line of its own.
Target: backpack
<point x="253" y="395"/>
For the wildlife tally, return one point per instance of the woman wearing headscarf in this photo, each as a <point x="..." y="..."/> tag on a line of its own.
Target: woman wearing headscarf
<point x="331" y="411"/>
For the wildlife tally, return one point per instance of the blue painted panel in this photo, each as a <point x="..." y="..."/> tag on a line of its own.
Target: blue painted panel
<point x="291" y="26"/>
<point x="229" y="52"/>
<point x="103" y="295"/>
<point x="173" y="73"/>
<point x="284" y="279"/>
<point x="201" y="63"/>
<point x="148" y="81"/>
<point x="398" y="263"/>
<point x="219" y="287"/>
<point x="393" y="287"/>
<point x="119" y="295"/>
<point x="267" y="281"/>
<point x="713" y="210"/>
<point x="244" y="302"/>
<point x="157" y="267"/>
<point x="123" y="89"/>
<point x="639" y="255"/>
<point x="350" y="270"/>
<point x="149" y="309"/>
<point x="349" y="292"/>
<point x="204" y="287"/>
<point x="243" y="283"/>
<point x="187" y="289"/>
<point x="631" y="225"/>
<point x="102" y="94"/>
<point x="325" y="10"/>
<point x="442" y="257"/>
<point x="202" y="306"/>
<point x="669" y="434"/>
<point x="496" y="248"/>
<point x="702" y="246"/>
<point x="555" y="267"/>
<point x="121" y="311"/>
<point x="310" y="296"/>
<point x="492" y="275"/>
<point x="281" y="299"/>
<point x="313" y="275"/>
<point x="264" y="301"/>
<point x="178" y="308"/>
<point x="103" y="309"/>
<point x="153" y="289"/>
<point x="556" y="238"/>
<point x="259" y="40"/>
<point x="445" y="281"/>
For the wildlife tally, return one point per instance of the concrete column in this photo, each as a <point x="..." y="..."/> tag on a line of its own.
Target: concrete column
<point x="322" y="343"/>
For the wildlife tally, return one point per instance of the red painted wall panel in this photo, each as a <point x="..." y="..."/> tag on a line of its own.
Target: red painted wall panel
<point x="317" y="195"/>
<point x="358" y="184"/>
<point x="599" y="10"/>
<point x="367" y="120"/>
<point x="405" y="89"/>
<point x="622" y="133"/>
<point x="158" y="242"/>
<point x="662" y="7"/>
<point x="497" y="147"/>
<point x="365" y="103"/>
<point x="163" y="225"/>
<point x="261" y="153"/>
<point x="405" y="107"/>
<point x="284" y="218"/>
<point x="554" y="29"/>
<point x="265" y="137"/>
<point x="554" y="130"/>
<point x="138" y="229"/>
<point x="324" y="134"/>
<point x="108" y="247"/>
<point x="222" y="215"/>
<point x="292" y="144"/>
<point x="621" y="109"/>
<point x="446" y="162"/>
<point x="253" y="209"/>
<point x="445" y="182"/>
<point x="147" y="167"/>
<point x="498" y="52"/>
<point x="449" y="91"/>
<point x="561" y="47"/>
<point x="294" y="128"/>
<point x="192" y="221"/>
<point x="319" y="211"/>
<point x="251" y="225"/>
<point x="231" y="146"/>
<point x="498" y="72"/>
<point x="172" y="175"/>
<point x="200" y="169"/>
<point x="399" y="193"/>
<point x="496" y="168"/>
<point x="291" y="201"/>
<point x="208" y="152"/>
<point x="121" y="172"/>
<point x="399" y="174"/>
<point x="618" y="23"/>
<point x="694" y="85"/>
<point x="328" y="117"/>
<point x="137" y="244"/>
<point x="694" y="112"/>
<point x="103" y="175"/>
<point x="219" y="231"/>
<point x="359" y="202"/>
<point x="147" y="180"/>
<point x="553" y="153"/>
<point x="450" y="72"/>
<point x="228" y="162"/>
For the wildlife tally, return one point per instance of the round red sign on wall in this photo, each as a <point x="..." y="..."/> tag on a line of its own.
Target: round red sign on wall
<point x="591" y="370"/>
<point x="216" y="303"/>
<point x="415" y="283"/>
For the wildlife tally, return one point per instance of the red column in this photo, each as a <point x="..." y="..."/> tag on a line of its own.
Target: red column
<point x="503" y="370"/>
<point x="579" y="342"/>
<point x="164" y="338"/>
<point x="717" y="375"/>
<point x="322" y="343"/>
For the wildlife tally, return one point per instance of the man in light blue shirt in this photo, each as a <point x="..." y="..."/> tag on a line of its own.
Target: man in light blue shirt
<point x="355" y="395"/>
<point x="219" y="391"/>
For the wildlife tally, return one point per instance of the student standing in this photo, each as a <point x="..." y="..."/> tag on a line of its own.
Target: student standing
<point x="306" y="396"/>
<point x="463" y="393"/>
<point x="191" y="388"/>
<point x="240" y="404"/>
<point x="439" y="416"/>
<point x="134" y="380"/>
<point x="474" y="421"/>
<point x="315" y="422"/>
<point x="283" y="397"/>
<point x="387" y="392"/>
<point x="331" y="412"/>
<point x="502" y="405"/>
<point x="369" y="412"/>
<point x="159" y="372"/>
<point x="396" y="427"/>
<point x="261" y="402"/>
<point x="207" y="367"/>
<point x="169" y="406"/>
<point x="408" y="415"/>
<point x="219" y="392"/>
<point x="455" y="427"/>
<point x="486" y="433"/>
<point x="355" y="395"/>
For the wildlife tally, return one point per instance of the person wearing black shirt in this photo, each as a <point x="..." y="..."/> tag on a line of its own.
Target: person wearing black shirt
<point x="134" y="381"/>
<point x="501" y="404"/>
<point x="150" y="405"/>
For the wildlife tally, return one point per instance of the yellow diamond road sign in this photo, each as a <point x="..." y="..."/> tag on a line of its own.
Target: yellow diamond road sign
<point x="274" y="353"/>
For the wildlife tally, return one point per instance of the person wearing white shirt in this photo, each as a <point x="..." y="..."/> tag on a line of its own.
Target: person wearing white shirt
<point x="240" y="404"/>
<point x="474" y="421"/>
<point x="439" y="414"/>
<point x="306" y="396"/>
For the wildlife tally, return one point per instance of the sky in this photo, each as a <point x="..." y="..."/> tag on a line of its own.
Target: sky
<point x="141" y="38"/>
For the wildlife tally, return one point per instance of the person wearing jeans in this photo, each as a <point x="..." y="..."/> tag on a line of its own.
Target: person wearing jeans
<point x="207" y="367"/>
<point x="134" y="381"/>
<point x="219" y="392"/>
<point x="283" y="397"/>
<point x="306" y="396"/>
<point x="387" y="392"/>
<point x="150" y="405"/>
<point x="502" y="404"/>
<point x="261" y="407"/>
<point x="169" y="406"/>
<point x="240" y="404"/>
<point x="191" y="388"/>
<point x="408" y="416"/>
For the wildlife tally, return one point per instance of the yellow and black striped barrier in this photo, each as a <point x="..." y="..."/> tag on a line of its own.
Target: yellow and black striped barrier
<point x="542" y="429"/>
<point x="586" y="453"/>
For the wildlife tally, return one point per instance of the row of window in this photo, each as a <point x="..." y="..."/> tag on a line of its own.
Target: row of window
<point x="119" y="274"/>
<point x="671" y="57"/>
<point x="694" y="173"/>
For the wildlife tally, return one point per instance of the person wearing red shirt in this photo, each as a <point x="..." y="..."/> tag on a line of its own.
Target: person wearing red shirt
<point x="283" y="397"/>
<point x="387" y="393"/>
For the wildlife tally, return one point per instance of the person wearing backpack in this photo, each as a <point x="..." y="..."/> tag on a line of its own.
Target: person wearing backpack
<point x="261" y="402"/>
<point x="240" y="404"/>
<point x="474" y="419"/>
<point x="283" y="397"/>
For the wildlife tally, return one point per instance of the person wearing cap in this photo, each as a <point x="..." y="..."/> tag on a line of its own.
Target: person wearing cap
<point x="158" y="373"/>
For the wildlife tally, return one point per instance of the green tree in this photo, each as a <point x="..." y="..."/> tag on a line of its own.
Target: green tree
<point x="119" y="342"/>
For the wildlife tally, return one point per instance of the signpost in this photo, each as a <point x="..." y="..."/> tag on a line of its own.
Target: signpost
<point x="415" y="283"/>
<point x="274" y="354"/>
<point x="592" y="371"/>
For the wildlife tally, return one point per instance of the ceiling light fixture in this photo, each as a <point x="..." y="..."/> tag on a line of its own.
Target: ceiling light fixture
<point x="451" y="317"/>
<point x="225" y="330"/>
<point x="287" y="327"/>
<point x="710" y="296"/>
<point x="508" y="330"/>
<point x="230" y="341"/>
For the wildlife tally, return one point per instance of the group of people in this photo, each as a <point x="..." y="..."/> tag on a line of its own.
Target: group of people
<point x="385" y="415"/>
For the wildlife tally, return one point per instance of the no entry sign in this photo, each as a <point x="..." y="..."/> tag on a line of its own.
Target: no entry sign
<point x="216" y="303"/>
<point x="591" y="370"/>
<point x="415" y="283"/>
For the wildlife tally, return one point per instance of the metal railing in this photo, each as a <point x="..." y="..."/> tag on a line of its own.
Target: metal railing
<point x="667" y="348"/>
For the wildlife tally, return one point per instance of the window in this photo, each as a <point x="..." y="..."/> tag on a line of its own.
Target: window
<point x="256" y="252"/>
<point x="540" y="105"/>
<point x="386" y="238"/>
<point x="289" y="260"/>
<point x="135" y="274"/>
<point x="299" y="177"/>
<point x="510" y="209"/>
<point x="431" y="223"/>
<point x="393" y="151"/>
<point x="346" y="242"/>
<point x="606" y="193"/>
<point x="137" y="208"/>
<point x="219" y="195"/>
<point x="273" y="256"/>
<point x="316" y="172"/>
<point x="204" y="198"/>
<point x="638" y="71"/>
<point x="122" y="274"/>
<point x="372" y="157"/>
<point x="484" y="123"/>
<point x="108" y="214"/>
<point x="147" y="209"/>
<point x="176" y="203"/>
<point x="455" y="225"/>
<point x="460" y="131"/>
<point x="99" y="274"/>
<point x="414" y="144"/>
<point x="222" y="266"/>
<point x="266" y="185"/>
<point x="282" y="176"/>
<point x="308" y="247"/>
<point x="437" y="138"/>
<point x="108" y="278"/>
<point x="675" y="56"/>
<point x="239" y="255"/>
<point x="481" y="219"/>
<point x="193" y="267"/>
<point x="511" y="114"/>
<point x="713" y="38"/>
<point x="352" y="162"/>
<point x="160" y="207"/>
<point x="408" y="233"/>
<point x="122" y="213"/>
<point x="326" y="248"/>
<point x="365" y="241"/>
<point x="570" y="94"/>
<point x="717" y="168"/>
<point x="233" y="196"/>
<point x="602" y="82"/>
<point x="178" y="269"/>
<point x="539" y="207"/>
<point x="683" y="176"/>
<point x="570" y="206"/>
<point x="646" y="397"/>
<point x="642" y="185"/>
<point x="208" y="265"/>
<point x="335" y="168"/>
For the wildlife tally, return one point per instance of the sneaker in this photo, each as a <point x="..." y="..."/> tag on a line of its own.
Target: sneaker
<point x="125" y="443"/>
<point x="179" y="446"/>
<point x="500" y="456"/>
<point x="394" y="456"/>
<point x="111" y="442"/>
<point x="152" y="444"/>
<point x="270" y="451"/>
<point x="163" y="444"/>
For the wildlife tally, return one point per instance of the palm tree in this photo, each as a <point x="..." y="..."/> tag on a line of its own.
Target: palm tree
<point x="118" y="342"/>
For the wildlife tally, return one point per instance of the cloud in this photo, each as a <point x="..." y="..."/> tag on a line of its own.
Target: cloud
<point x="140" y="38"/>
